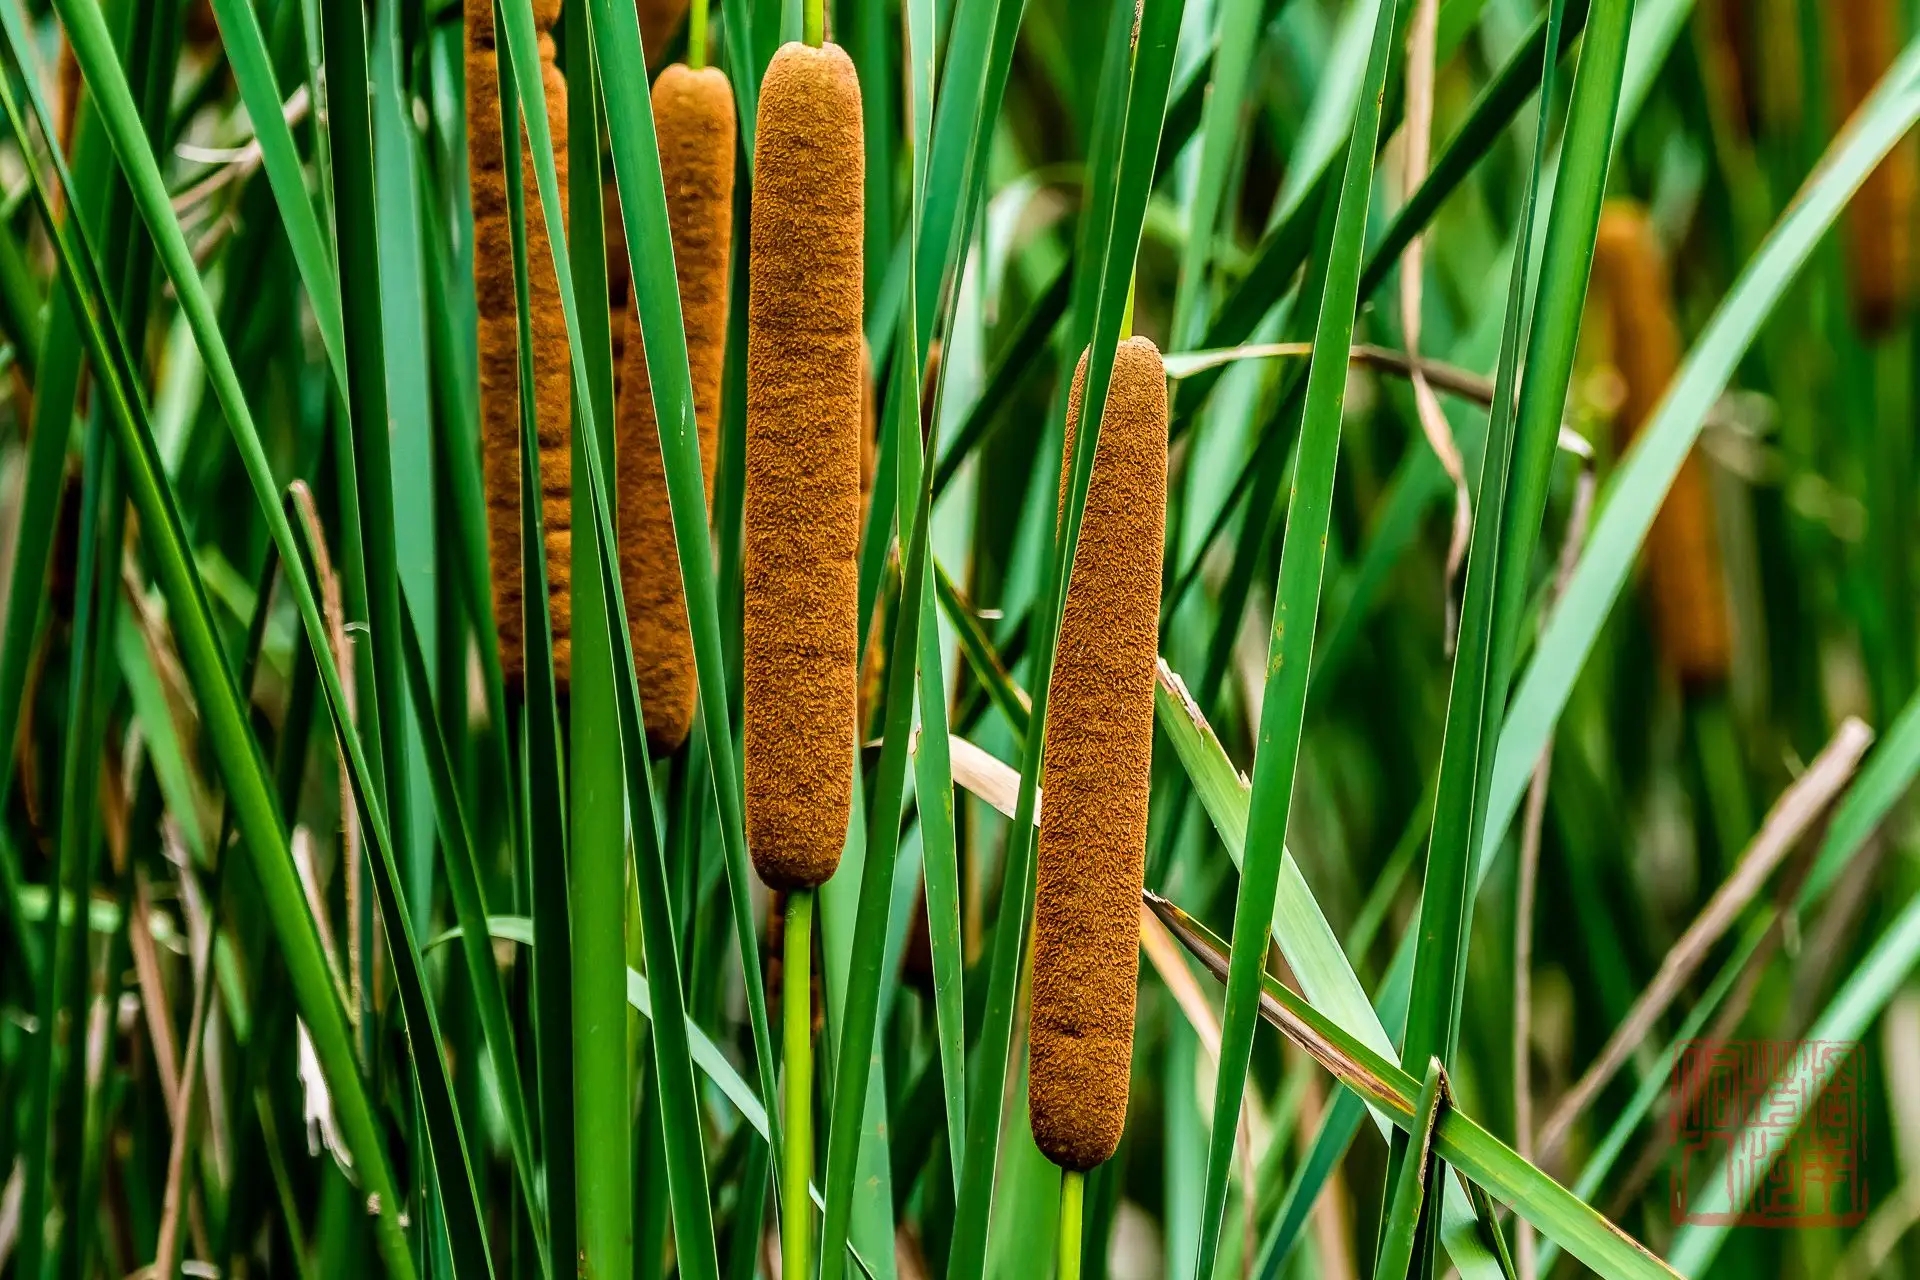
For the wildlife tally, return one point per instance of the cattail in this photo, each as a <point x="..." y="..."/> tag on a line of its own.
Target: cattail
<point x="619" y="282"/>
<point x="659" y="21"/>
<point x="1099" y="749"/>
<point x="1683" y="553"/>
<point x="870" y="413"/>
<point x="202" y="31"/>
<point x="929" y="389"/>
<point x="1726" y="28"/>
<point x="1879" y="222"/>
<point x="693" y="118"/>
<point x="499" y="344"/>
<point x="68" y="101"/>
<point x="803" y="464"/>
<point x="874" y="657"/>
<point x="869" y="426"/>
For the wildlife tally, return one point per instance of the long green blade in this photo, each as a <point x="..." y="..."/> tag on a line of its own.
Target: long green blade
<point x="1295" y="617"/>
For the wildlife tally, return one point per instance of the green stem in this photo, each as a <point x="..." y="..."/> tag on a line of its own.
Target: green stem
<point x="696" y="35"/>
<point x="1073" y="1193"/>
<point x="814" y="32"/>
<point x="796" y="1003"/>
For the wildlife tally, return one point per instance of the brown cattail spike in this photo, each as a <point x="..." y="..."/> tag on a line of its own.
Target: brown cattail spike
<point x="1683" y="550"/>
<point x="1099" y="749"/>
<point x="693" y="118"/>
<point x="499" y="345"/>
<point x="803" y="464"/>
<point x="1863" y="39"/>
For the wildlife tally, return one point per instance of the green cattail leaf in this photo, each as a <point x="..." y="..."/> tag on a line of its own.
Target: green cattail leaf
<point x="469" y="903"/>
<point x="1416" y="1178"/>
<point x="1296" y="615"/>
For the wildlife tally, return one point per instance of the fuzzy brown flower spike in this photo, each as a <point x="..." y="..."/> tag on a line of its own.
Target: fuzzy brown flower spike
<point x="1099" y="752"/>
<point x="1688" y="593"/>
<point x="803" y="465"/>
<point x="1863" y="42"/>
<point x="499" y="344"/>
<point x="693" y="118"/>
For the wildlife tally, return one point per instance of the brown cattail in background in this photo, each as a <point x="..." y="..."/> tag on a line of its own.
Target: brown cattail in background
<point x="1725" y="45"/>
<point x="1099" y="751"/>
<point x="870" y="413"/>
<point x="659" y="22"/>
<point x="803" y="464"/>
<point x="619" y="280"/>
<point x="201" y="30"/>
<point x="67" y="104"/>
<point x="1863" y="39"/>
<point x="1683" y="550"/>
<point x="929" y="389"/>
<point x="693" y="118"/>
<point x="869" y="426"/>
<point x="499" y="344"/>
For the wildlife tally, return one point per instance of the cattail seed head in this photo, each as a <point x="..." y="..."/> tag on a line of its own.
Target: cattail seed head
<point x="802" y="511"/>
<point x="1688" y="593"/>
<point x="1097" y="767"/>
<point x="693" y="118"/>
<point x="1863" y="40"/>
<point x="499" y="345"/>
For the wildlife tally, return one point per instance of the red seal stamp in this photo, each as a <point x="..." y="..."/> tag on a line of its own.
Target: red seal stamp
<point x="1769" y="1133"/>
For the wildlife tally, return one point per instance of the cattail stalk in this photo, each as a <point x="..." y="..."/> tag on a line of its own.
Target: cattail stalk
<point x="697" y="36"/>
<point x="802" y="520"/>
<point x="796" y="1024"/>
<point x="1863" y="40"/>
<point x="693" y="119"/>
<point x="1098" y="752"/>
<point x="1073" y="1195"/>
<point x="1683" y="575"/>
<point x="499" y="345"/>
